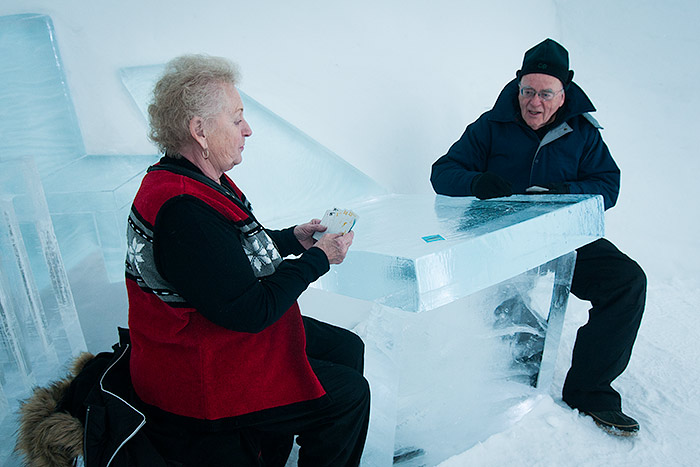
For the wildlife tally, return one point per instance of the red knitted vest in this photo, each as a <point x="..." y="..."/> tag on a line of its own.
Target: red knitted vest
<point x="185" y="364"/>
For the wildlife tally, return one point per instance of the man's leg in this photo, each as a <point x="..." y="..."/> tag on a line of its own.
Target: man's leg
<point x="616" y="287"/>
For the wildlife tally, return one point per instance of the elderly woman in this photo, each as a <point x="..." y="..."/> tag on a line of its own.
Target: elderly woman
<point x="221" y="356"/>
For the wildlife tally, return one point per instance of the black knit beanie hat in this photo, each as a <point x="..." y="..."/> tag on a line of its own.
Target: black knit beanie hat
<point x="550" y="58"/>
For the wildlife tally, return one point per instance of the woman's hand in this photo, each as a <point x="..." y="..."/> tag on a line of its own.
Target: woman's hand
<point x="335" y="246"/>
<point x="304" y="232"/>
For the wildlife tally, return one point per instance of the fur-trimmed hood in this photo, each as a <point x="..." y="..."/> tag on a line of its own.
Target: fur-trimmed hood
<point x="47" y="435"/>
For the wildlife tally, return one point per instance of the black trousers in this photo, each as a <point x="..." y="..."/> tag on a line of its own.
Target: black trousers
<point x="616" y="287"/>
<point x="335" y="434"/>
<point x="330" y="433"/>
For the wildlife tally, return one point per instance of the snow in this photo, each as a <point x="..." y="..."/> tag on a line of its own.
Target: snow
<point x="390" y="85"/>
<point x="659" y="388"/>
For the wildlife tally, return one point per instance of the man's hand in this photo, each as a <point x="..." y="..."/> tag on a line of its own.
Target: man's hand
<point x="559" y="189"/>
<point x="552" y="189"/>
<point x="335" y="246"/>
<point x="304" y="232"/>
<point x="488" y="185"/>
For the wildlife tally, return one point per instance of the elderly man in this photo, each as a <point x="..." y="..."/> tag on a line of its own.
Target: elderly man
<point x="538" y="138"/>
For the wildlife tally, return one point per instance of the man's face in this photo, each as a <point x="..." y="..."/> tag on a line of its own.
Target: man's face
<point x="536" y="111"/>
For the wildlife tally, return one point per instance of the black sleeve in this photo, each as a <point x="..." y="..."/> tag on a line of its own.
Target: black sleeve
<point x="453" y="173"/>
<point x="286" y="241"/>
<point x="198" y="251"/>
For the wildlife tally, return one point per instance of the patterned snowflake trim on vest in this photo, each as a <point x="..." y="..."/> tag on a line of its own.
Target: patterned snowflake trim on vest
<point x="140" y="260"/>
<point x="260" y="249"/>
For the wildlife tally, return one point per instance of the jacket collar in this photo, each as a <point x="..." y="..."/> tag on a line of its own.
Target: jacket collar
<point x="506" y="108"/>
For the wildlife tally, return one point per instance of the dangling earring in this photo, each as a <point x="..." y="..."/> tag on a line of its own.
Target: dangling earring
<point x="206" y="153"/>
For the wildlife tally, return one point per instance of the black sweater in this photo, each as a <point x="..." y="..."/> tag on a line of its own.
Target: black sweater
<point x="199" y="253"/>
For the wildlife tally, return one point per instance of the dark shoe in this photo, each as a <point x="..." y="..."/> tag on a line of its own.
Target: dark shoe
<point x="615" y="422"/>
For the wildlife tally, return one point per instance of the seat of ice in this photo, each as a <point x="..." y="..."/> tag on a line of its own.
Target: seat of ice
<point x="35" y="103"/>
<point x="37" y="110"/>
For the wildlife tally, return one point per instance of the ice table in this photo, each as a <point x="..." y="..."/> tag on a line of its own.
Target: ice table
<point x="464" y="293"/>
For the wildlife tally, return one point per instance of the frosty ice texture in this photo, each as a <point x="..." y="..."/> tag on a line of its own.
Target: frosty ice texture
<point x="469" y="321"/>
<point x="35" y="105"/>
<point x="88" y="195"/>
<point x="40" y="138"/>
<point x="89" y="200"/>
<point x="484" y="243"/>
<point x="451" y="377"/>
<point x="39" y="324"/>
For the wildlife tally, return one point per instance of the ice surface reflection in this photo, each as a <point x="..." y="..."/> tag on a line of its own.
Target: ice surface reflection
<point x="484" y="243"/>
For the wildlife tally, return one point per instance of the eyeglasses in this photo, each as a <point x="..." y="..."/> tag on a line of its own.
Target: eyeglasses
<point x="546" y="95"/>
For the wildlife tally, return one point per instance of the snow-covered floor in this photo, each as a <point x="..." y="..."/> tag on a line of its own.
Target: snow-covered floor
<point x="660" y="388"/>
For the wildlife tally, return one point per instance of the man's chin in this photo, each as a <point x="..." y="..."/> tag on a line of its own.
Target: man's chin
<point x="535" y="124"/>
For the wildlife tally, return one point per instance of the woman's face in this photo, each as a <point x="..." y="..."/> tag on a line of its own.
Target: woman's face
<point x="227" y="132"/>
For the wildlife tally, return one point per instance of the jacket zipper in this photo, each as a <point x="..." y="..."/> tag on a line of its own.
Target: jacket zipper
<point x="556" y="133"/>
<point x="143" y="420"/>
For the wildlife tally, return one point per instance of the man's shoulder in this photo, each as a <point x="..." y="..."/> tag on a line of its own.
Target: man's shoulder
<point x="493" y="122"/>
<point x="584" y="123"/>
<point x="592" y="120"/>
<point x="504" y="109"/>
<point x="577" y="102"/>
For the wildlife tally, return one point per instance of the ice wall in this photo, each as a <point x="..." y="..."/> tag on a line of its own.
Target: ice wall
<point x="40" y="330"/>
<point x="87" y="194"/>
<point x="61" y="214"/>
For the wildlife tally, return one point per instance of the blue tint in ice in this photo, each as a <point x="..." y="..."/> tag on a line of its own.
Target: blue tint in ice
<point x="87" y="194"/>
<point x="464" y="329"/>
<point x="391" y="264"/>
<point x="35" y="105"/>
<point x="89" y="200"/>
<point x="39" y="327"/>
<point x="47" y="241"/>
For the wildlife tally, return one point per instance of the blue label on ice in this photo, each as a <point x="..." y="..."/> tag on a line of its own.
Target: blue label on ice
<point x="432" y="238"/>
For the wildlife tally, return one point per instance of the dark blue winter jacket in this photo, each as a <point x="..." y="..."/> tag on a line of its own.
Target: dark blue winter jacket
<point x="572" y="152"/>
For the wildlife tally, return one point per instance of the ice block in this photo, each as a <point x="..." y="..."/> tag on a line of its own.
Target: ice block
<point x="39" y="326"/>
<point x="89" y="200"/>
<point x="469" y="300"/>
<point x="417" y="253"/>
<point x="35" y="104"/>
